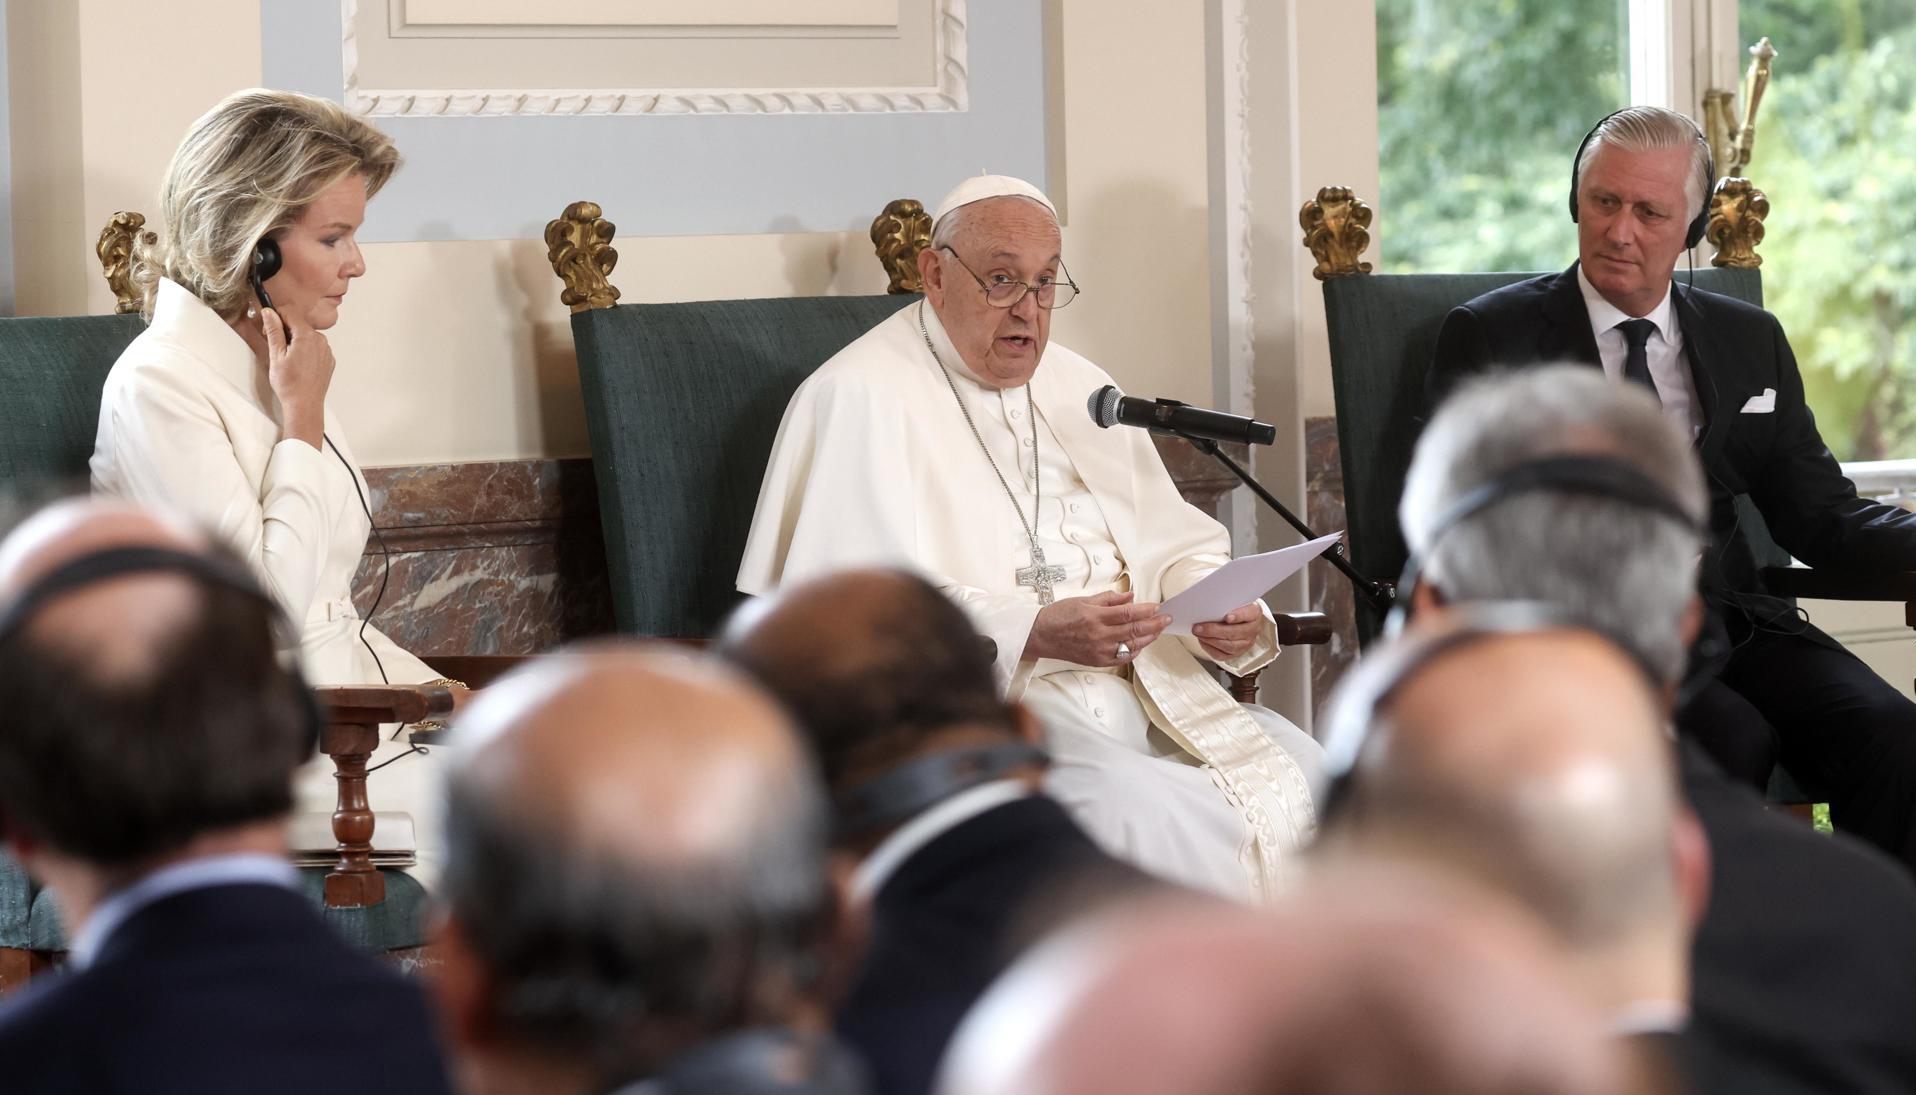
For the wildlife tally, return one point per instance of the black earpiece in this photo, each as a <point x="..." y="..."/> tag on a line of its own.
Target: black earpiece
<point x="1693" y="235"/>
<point x="1589" y="475"/>
<point x="266" y="263"/>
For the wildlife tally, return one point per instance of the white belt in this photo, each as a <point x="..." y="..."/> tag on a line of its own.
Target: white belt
<point x="339" y="608"/>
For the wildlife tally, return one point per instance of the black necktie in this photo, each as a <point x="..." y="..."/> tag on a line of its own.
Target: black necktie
<point x="1636" y="362"/>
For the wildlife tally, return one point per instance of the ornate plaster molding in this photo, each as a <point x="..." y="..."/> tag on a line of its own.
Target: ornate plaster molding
<point x="950" y="93"/>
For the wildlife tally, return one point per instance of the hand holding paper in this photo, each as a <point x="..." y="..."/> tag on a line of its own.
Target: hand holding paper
<point x="1239" y="582"/>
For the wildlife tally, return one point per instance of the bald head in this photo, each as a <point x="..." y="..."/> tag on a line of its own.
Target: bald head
<point x="636" y="854"/>
<point x="1351" y="988"/>
<point x="1538" y="759"/>
<point x="120" y="624"/>
<point x="149" y="707"/>
<point x="875" y="664"/>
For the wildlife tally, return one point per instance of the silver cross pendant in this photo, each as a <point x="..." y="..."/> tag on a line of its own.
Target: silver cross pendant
<point x="1040" y="577"/>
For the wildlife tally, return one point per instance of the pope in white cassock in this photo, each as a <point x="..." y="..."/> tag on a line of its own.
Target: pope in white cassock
<point x="954" y="440"/>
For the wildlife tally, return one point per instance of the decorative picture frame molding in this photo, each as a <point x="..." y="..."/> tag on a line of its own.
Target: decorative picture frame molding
<point x="950" y="92"/>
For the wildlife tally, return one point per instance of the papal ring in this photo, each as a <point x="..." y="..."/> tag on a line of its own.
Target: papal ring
<point x="1124" y="651"/>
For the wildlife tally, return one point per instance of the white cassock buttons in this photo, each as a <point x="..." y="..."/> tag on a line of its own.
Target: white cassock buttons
<point x="1098" y="711"/>
<point x="1075" y="507"/>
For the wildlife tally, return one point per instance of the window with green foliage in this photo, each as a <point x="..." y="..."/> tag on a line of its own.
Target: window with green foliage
<point x="1836" y="153"/>
<point x="1480" y="105"/>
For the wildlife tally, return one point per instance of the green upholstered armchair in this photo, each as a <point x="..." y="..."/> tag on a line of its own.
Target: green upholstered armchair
<point x="683" y="402"/>
<point x="52" y="372"/>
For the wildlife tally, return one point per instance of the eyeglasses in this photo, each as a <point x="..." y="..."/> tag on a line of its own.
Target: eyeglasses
<point x="1007" y="293"/>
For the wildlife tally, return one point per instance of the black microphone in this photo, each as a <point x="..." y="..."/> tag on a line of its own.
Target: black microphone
<point x="1110" y="407"/>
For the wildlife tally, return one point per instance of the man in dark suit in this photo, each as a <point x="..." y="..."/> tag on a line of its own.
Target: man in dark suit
<point x="962" y="859"/>
<point x="637" y="892"/>
<point x="1724" y="373"/>
<point x="146" y="765"/>
<point x="1801" y="966"/>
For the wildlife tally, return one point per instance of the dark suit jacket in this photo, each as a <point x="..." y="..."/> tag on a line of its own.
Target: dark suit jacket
<point x="1805" y="963"/>
<point x="239" y="988"/>
<point x="953" y="917"/>
<point x="1736" y="352"/>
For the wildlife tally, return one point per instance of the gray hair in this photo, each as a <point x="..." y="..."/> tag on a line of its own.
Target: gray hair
<point x="1643" y="128"/>
<point x="1623" y="569"/>
<point x="591" y="951"/>
<point x="953" y="224"/>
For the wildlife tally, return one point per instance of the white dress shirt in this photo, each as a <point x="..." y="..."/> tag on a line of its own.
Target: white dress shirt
<point x="1676" y="387"/>
<point x="194" y="874"/>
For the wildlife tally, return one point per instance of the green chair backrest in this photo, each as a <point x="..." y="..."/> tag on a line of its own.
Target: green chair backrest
<point x="51" y="374"/>
<point x="1383" y="331"/>
<point x="683" y="402"/>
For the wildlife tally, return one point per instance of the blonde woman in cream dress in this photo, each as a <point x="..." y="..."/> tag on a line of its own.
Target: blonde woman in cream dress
<point x="218" y="410"/>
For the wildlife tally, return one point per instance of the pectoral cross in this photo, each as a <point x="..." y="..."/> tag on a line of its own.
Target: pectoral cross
<point x="1039" y="576"/>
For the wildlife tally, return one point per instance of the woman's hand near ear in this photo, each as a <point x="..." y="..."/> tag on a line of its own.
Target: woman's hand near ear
<point x="299" y="368"/>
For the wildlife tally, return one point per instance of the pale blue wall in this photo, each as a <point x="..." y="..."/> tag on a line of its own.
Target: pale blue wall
<point x="503" y="177"/>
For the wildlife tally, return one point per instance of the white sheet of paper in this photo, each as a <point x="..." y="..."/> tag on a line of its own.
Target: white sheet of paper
<point x="1238" y="583"/>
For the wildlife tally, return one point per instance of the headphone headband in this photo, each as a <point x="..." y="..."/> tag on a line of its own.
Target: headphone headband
<point x="99" y="566"/>
<point x="1382" y="674"/>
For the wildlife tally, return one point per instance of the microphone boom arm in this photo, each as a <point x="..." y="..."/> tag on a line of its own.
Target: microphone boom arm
<point x="1380" y="595"/>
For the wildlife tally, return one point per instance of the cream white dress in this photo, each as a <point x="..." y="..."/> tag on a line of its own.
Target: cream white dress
<point x="189" y="424"/>
<point x="874" y="464"/>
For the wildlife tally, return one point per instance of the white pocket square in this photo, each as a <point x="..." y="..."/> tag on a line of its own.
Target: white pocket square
<point x="1761" y="404"/>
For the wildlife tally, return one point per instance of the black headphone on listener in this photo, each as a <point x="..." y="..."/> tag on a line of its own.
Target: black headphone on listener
<point x="99" y="566"/>
<point x="1362" y="697"/>
<point x="1698" y="226"/>
<point x="267" y="261"/>
<point x="1591" y="475"/>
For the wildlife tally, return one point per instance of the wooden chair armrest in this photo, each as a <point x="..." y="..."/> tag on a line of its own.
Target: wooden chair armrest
<point x="1833" y="585"/>
<point x="351" y="718"/>
<point x="1302" y="628"/>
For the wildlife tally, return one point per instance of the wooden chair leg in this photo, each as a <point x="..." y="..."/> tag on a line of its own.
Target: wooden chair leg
<point x="1244" y="689"/>
<point x="353" y="882"/>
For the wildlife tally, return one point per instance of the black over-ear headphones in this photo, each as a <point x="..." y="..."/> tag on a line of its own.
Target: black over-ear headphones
<point x="101" y="565"/>
<point x="1699" y="225"/>
<point x="1598" y="476"/>
<point x="1381" y="675"/>
<point x="267" y="260"/>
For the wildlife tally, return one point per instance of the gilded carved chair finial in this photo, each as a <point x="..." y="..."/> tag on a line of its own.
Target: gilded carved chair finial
<point x="899" y="234"/>
<point x="117" y="241"/>
<point x="1336" y="229"/>
<point x="579" y="247"/>
<point x="1737" y="210"/>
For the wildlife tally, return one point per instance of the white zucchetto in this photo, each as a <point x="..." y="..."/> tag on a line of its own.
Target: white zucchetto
<point x="980" y="187"/>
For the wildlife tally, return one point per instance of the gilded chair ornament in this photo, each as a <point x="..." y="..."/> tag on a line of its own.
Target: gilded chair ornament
<point x="899" y="234"/>
<point x="1336" y="229"/>
<point x="117" y="242"/>
<point x="579" y="247"/>
<point x="1737" y="210"/>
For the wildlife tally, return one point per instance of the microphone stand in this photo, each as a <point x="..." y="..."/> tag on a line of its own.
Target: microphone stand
<point x="1380" y="595"/>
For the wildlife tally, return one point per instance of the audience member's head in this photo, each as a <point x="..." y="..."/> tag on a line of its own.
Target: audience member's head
<point x="148" y="717"/>
<point x="1530" y="757"/>
<point x="636" y="868"/>
<point x="1368" y="982"/>
<point x="880" y="669"/>
<point x="1625" y="565"/>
